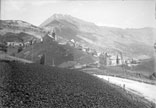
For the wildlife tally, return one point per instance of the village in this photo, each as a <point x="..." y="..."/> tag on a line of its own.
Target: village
<point x="104" y="58"/>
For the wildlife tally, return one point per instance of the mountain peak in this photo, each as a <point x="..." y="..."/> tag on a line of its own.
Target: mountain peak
<point x="60" y="16"/>
<point x="57" y="17"/>
<point x="66" y="17"/>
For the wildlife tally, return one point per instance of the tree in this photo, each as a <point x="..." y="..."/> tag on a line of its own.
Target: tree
<point x="42" y="60"/>
<point x="53" y="34"/>
<point x="31" y="42"/>
<point x="153" y="105"/>
<point x="3" y="47"/>
<point x="117" y="60"/>
<point x="20" y="49"/>
<point x="155" y="45"/>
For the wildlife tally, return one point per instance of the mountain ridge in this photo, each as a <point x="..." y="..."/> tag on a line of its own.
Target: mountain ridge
<point x="89" y="34"/>
<point x="131" y="42"/>
<point x="63" y="16"/>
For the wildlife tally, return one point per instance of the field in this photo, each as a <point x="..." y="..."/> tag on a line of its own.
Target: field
<point x="143" y="72"/>
<point x="141" y="76"/>
<point x="39" y="86"/>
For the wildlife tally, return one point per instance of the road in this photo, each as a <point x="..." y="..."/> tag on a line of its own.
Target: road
<point x="148" y="91"/>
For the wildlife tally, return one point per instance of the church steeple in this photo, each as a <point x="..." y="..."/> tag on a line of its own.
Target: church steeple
<point x="52" y="34"/>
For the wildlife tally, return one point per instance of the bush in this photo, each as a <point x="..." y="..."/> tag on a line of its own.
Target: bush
<point x="20" y="49"/>
<point x="153" y="76"/>
<point x="153" y="105"/>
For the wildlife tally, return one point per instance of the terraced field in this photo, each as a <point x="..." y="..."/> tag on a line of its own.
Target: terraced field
<point x="38" y="86"/>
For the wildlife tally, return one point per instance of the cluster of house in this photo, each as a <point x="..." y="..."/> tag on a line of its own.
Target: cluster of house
<point x="14" y="44"/>
<point x="132" y="62"/>
<point x="109" y="59"/>
<point x="22" y="44"/>
<point x="116" y="59"/>
<point x="77" y="45"/>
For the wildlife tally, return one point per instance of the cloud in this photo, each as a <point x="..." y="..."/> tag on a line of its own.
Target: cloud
<point x="8" y="4"/>
<point x="43" y="2"/>
<point x="123" y="14"/>
<point x="14" y="4"/>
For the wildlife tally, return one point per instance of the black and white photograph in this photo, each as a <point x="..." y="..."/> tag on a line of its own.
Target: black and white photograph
<point x="77" y="53"/>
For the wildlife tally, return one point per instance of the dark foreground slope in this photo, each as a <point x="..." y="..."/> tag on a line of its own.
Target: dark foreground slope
<point x="37" y="86"/>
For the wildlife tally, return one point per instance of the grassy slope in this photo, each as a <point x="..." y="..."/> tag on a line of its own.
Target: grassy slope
<point x="37" y="86"/>
<point x="16" y="37"/>
<point x="129" y="73"/>
<point x="55" y="52"/>
<point x="147" y="66"/>
<point x="18" y="26"/>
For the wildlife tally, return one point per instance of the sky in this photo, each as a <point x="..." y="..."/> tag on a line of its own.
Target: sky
<point x="113" y="13"/>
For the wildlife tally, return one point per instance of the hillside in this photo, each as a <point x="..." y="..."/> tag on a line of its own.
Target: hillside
<point x="17" y="26"/>
<point x="136" y="43"/>
<point x="16" y="37"/>
<point x="56" y="54"/>
<point x="39" y="86"/>
<point x="146" y="66"/>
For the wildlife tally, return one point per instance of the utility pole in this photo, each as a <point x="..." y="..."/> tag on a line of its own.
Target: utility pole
<point x="42" y="59"/>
